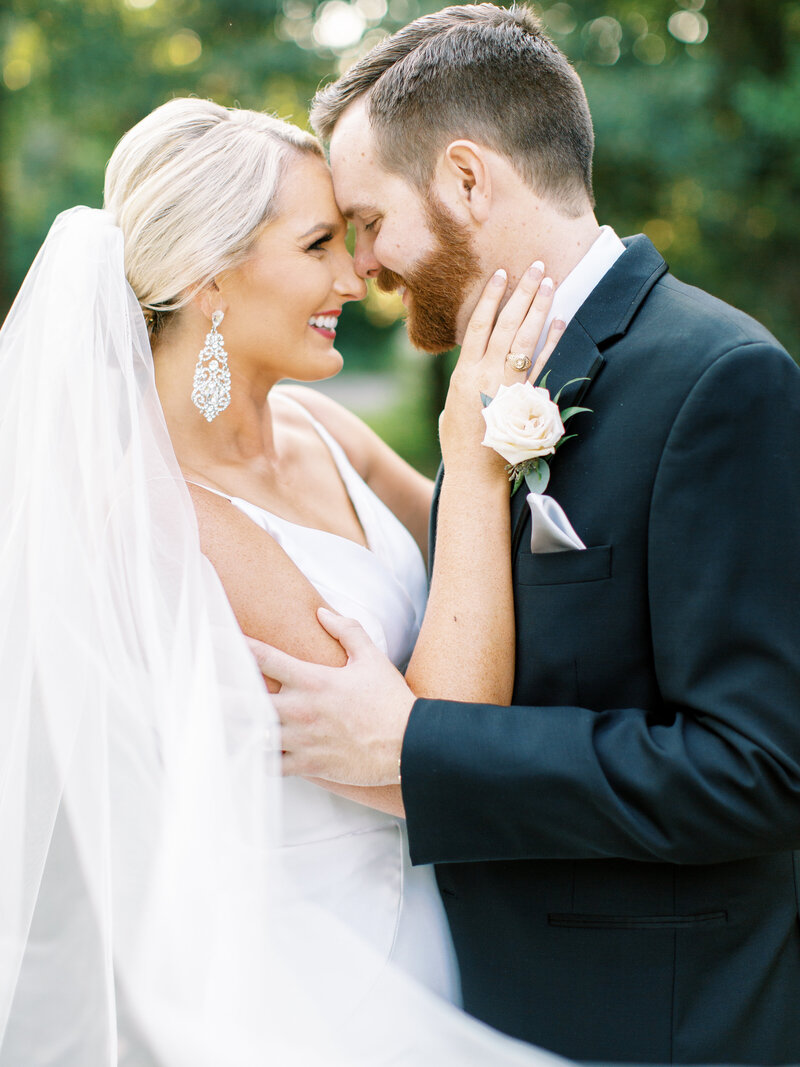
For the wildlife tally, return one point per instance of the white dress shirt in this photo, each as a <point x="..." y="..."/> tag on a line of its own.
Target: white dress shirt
<point x="582" y="279"/>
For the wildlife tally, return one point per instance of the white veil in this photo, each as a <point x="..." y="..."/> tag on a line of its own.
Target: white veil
<point x="142" y="915"/>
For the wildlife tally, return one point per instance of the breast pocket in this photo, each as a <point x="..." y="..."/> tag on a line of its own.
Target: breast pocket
<point x="564" y="608"/>
<point x="563" y="568"/>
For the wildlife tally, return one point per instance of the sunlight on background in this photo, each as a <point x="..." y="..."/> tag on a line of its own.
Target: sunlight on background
<point x="349" y="28"/>
<point x="603" y="37"/>
<point x="688" y="26"/>
<point x="338" y="25"/>
<point x="179" y="49"/>
<point x="606" y="39"/>
<point x="183" y="48"/>
<point x="650" y="48"/>
<point x="24" y="56"/>
<point x="695" y="104"/>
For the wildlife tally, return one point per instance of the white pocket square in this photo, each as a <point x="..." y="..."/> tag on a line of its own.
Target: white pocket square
<point x="551" y="530"/>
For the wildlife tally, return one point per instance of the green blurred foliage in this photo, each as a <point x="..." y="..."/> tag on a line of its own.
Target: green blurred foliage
<point x="696" y="106"/>
<point x="700" y="148"/>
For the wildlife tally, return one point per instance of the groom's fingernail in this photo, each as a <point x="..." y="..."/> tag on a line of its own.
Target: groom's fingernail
<point x="559" y="324"/>
<point x="499" y="277"/>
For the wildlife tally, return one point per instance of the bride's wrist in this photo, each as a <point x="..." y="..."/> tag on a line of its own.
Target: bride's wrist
<point x="490" y="480"/>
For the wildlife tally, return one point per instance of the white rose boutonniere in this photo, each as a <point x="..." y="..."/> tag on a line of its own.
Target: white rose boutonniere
<point x="523" y="424"/>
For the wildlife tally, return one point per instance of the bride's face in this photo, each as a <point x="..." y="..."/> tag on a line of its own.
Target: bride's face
<point x="283" y="303"/>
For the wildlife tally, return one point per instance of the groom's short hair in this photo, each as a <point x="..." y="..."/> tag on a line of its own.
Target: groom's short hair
<point x="482" y="72"/>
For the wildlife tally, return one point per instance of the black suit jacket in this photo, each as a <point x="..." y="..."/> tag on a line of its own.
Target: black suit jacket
<point x="615" y="849"/>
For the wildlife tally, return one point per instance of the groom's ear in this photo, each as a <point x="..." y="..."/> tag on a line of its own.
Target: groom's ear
<point x="464" y="180"/>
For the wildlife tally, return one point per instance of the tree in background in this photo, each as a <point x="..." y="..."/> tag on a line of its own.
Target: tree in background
<point x="696" y="106"/>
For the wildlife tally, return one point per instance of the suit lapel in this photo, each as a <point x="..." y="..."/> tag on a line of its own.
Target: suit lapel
<point x="571" y="369"/>
<point x="573" y="366"/>
<point x="603" y="318"/>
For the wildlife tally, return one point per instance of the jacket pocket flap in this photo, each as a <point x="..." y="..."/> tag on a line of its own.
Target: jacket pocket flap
<point x="559" y="568"/>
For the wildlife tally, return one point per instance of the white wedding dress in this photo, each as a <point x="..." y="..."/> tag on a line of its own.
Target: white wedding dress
<point x="167" y="898"/>
<point x="351" y="859"/>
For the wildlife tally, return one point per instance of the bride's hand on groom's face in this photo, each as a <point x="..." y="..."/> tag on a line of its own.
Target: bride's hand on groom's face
<point x="492" y="334"/>
<point x="344" y="724"/>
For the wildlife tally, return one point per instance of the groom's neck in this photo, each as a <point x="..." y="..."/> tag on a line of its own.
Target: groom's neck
<point x="524" y="227"/>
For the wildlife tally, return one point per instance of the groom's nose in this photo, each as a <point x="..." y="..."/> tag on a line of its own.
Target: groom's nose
<point x="366" y="265"/>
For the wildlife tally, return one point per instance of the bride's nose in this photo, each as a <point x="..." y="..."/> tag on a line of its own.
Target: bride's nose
<point x="348" y="285"/>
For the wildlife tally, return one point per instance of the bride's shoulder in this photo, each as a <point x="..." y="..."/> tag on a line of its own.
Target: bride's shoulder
<point x="346" y="428"/>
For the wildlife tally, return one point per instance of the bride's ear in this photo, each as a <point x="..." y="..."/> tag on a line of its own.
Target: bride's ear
<point x="464" y="180"/>
<point x="209" y="300"/>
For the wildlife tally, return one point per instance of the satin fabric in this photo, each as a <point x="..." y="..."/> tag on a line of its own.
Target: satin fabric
<point x="349" y="858"/>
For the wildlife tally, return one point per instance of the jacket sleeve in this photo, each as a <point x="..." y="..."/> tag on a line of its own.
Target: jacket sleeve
<point x="716" y="775"/>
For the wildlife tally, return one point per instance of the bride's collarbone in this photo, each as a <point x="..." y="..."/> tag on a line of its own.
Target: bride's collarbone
<point x="303" y="487"/>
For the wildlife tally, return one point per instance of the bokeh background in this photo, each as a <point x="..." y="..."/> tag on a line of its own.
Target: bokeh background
<point x="696" y="105"/>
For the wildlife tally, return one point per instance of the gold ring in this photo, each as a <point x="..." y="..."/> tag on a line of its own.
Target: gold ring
<point x="519" y="361"/>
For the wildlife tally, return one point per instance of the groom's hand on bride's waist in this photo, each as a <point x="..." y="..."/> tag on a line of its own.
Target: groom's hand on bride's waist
<point x="345" y="724"/>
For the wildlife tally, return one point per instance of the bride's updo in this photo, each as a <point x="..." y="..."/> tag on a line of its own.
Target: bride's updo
<point x="190" y="186"/>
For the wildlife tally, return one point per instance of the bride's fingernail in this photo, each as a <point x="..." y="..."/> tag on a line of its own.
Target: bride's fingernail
<point x="536" y="268"/>
<point x="499" y="277"/>
<point x="546" y="286"/>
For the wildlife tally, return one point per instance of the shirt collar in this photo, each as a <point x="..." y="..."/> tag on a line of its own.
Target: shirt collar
<point x="581" y="280"/>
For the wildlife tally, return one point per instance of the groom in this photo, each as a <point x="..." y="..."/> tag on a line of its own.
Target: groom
<point x="614" y="850"/>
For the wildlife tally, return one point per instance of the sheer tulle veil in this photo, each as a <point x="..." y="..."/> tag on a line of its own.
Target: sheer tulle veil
<point x="143" y="914"/>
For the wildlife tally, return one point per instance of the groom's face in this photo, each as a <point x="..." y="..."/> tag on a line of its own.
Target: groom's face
<point x="403" y="241"/>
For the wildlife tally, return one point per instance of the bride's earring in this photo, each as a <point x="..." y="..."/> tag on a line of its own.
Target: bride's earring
<point x="211" y="388"/>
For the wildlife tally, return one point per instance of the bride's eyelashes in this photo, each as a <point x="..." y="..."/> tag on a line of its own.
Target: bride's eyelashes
<point x="319" y="244"/>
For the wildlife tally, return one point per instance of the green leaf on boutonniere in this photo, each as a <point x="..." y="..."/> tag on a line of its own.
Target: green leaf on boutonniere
<point x="567" y="413"/>
<point x="538" y="476"/>
<point x="563" y="439"/>
<point x="572" y="381"/>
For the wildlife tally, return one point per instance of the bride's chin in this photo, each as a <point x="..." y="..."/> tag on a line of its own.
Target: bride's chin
<point x="319" y="370"/>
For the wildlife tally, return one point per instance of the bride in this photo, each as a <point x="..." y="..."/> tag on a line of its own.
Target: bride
<point x="162" y="886"/>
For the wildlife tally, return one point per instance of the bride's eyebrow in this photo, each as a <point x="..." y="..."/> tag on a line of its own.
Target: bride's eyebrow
<point x="333" y="226"/>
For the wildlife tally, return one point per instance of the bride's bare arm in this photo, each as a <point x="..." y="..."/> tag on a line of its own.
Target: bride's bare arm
<point x="260" y="580"/>
<point x="465" y="649"/>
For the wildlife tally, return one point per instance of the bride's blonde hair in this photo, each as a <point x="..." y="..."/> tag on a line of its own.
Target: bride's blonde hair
<point x="190" y="186"/>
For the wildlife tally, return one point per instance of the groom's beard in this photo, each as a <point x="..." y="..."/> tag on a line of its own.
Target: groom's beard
<point x="438" y="284"/>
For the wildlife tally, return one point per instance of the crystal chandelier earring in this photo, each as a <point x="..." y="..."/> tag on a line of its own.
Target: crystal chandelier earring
<point x="211" y="388"/>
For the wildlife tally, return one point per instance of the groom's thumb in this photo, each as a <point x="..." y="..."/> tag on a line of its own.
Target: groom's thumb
<point x="350" y="634"/>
